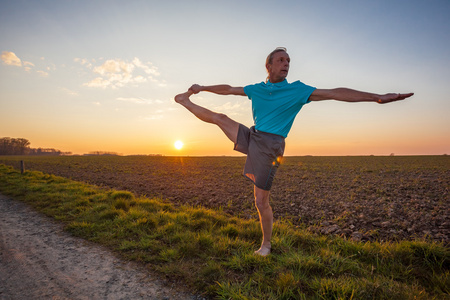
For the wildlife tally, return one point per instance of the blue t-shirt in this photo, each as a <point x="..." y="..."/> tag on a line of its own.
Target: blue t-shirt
<point x="275" y="105"/>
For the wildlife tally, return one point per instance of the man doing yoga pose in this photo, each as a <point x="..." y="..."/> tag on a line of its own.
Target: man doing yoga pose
<point x="275" y="104"/>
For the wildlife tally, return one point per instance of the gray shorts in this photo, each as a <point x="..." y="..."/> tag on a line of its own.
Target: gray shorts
<point x="264" y="153"/>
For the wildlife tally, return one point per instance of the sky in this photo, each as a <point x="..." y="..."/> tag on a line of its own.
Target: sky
<point x="85" y="76"/>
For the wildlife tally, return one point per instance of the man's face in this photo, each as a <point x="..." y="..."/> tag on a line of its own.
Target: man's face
<point x="279" y="68"/>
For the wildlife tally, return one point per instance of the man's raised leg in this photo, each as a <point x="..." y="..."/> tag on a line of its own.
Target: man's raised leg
<point x="228" y="126"/>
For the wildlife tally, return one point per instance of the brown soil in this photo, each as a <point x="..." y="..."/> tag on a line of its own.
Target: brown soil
<point x="364" y="198"/>
<point x="38" y="260"/>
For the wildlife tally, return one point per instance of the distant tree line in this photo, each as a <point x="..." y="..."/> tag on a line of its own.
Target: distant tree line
<point x="21" y="146"/>
<point x="103" y="153"/>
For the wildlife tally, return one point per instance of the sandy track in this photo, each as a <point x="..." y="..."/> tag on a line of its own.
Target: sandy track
<point x="38" y="260"/>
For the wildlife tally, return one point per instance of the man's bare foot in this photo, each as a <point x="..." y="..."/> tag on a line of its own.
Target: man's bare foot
<point x="263" y="251"/>
<point x="183" y="98"/>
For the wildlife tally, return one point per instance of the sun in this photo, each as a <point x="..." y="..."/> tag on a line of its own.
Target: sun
<point x="178" y="145"/>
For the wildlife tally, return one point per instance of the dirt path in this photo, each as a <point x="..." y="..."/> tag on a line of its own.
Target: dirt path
<point x="38" y="260"/>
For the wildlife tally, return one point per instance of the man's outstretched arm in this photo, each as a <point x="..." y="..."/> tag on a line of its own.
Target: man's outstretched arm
<point x="222" y="89"/>
<point x="349" y="95"/>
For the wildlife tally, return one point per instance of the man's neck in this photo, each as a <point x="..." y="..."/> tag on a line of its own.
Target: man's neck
<point x="276" y="79"/>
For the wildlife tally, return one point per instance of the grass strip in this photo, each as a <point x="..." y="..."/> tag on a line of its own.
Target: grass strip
<point x="213" y="252"/>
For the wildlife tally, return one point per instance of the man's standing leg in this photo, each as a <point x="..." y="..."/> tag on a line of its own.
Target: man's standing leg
<point x="231" y="128"/>
<point x="265" y="218"/>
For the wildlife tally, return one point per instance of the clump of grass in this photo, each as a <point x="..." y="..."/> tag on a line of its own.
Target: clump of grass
<point x="230" y="231"/>
<point x="122" y="195"/>
<point x="169" y="255"/>
<point x="213" y="252"/>
<point x="121" y="204"/>
<point x="83" y="228"/>
<point x="123" y="200"/>
<point x="108" y="213"/>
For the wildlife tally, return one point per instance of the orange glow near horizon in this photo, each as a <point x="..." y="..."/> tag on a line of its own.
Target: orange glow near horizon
<point x="219" y="145"/>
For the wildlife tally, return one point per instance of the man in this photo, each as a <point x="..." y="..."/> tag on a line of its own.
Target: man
<point x="275" y="104"/>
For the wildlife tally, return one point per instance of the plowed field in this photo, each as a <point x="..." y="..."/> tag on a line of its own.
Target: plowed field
<point x="368" y="198"/>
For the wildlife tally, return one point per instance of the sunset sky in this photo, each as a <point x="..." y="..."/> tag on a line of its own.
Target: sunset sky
<point x="86" y="76"/>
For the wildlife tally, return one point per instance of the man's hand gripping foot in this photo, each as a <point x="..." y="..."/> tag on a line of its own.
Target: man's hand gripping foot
<point x="183" y="99"/>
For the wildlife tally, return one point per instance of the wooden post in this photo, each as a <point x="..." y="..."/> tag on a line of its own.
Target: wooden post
<point x="22" y="167"/>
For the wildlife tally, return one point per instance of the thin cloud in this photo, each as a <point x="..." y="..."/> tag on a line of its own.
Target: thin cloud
<point x="11" y="59"/>
<point x="148" y="68"/>
<point x="83" y="62"/>
<point x="233" y="108"/>
<point x="116" y="73"/>
<point x="42" y="73"/>
<point x="140" y="79"/>
<point x="69" y="92"/>
<point x="27" y="66"/>
<point x="52" y="67"/>
<point x="112" y="67"/>
<point x="98" y="82"/>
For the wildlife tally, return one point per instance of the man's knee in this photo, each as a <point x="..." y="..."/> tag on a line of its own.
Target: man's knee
<point x="222" y="118"/>
<point x="262" y="203"/>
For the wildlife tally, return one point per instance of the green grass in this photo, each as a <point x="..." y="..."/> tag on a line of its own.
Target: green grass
<point x="213" y="252"/>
